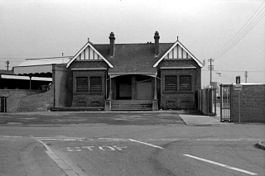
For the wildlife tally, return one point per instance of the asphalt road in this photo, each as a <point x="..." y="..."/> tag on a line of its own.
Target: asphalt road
<point x="171" y="149"/>
<point x="160" y="157"/>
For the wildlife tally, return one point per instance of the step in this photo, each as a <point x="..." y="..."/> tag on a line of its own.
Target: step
<point x="144" y="105"/>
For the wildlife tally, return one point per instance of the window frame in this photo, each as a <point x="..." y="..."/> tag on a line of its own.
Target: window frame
<point x="176" y="84"/>
<point x="77" y="86"/>
<point x="91" y="91"/>
<point x="189" y="87"/>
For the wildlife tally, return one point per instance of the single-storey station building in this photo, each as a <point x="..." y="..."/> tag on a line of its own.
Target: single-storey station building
<point x="138" y="76"/>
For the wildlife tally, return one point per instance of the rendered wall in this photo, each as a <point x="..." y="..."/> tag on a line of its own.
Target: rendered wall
<point x="62" y="80"/>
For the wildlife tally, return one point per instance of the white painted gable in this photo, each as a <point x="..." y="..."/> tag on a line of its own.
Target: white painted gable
<point x="178" y="53"/>
<point x="88" y="53"/>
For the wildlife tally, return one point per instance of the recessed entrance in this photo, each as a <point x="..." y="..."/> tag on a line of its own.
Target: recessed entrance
<point x="133" y="87"/>
<point x="124" y="88"/>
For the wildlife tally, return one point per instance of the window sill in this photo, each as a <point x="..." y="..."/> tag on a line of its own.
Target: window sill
<point x="178" y="92"/>
<point x="87" y="93"/>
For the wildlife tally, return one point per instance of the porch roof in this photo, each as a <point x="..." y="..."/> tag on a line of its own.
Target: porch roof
<point x="137" y="58"/>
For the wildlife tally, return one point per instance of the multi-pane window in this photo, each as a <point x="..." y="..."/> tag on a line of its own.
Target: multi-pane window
<point x="81" y="84"/>
<point x="96" y="85"/>
<point x="185" y="82"/>
<point x="171" y="83"/>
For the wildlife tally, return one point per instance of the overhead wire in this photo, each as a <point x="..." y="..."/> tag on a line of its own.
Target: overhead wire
<point x="243" y="31"/>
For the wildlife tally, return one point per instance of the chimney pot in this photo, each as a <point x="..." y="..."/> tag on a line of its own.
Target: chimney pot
<point x="112" y="43"/>
<point x="156" y="37"/>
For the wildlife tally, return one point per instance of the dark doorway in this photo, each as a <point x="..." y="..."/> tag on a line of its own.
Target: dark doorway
<point x="124" y="88"/>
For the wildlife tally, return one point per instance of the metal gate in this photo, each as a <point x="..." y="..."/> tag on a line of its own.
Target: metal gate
<point x="3" y="107"/>
<point x="225" y="102"/>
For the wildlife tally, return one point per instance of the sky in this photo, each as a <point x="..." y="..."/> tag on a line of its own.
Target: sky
<point x="232" y="32"/>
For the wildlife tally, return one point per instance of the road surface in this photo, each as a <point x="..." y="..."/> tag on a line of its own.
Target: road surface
<point x="98" y="149"/>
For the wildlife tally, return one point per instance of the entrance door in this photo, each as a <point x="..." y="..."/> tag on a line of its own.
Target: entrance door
<point x="124" y="88"/>
<point x="144" y="90"/>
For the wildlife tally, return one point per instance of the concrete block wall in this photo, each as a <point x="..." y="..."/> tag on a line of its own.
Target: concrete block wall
<point x="251" y="104"/>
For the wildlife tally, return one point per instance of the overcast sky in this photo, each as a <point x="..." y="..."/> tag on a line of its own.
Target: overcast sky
<point x="230" y="31"/>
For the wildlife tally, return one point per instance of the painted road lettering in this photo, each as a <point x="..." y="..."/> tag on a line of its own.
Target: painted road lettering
<point x="95" y="148"/>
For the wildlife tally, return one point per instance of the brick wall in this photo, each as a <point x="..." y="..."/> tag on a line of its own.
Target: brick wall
<point x="179" y="99"/>
<point x="86" y="99"/>
<point x="252" y="104"/>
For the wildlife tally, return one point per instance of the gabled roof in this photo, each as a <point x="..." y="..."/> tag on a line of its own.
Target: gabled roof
<point x="183" y="48"/>
<point x="133" y="58"/>
<point x="89" y="46"/>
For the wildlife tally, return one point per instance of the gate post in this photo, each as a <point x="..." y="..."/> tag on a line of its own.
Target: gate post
<point x="221" y="102"/>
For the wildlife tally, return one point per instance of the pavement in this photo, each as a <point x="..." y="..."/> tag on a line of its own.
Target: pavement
<point x="199" y="120"/>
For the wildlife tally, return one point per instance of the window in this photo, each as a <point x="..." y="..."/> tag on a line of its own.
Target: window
<point x="171" y="83"/>
<point x="185" y="82"/>
<point x="95" y="85"/>
<point x="81" y="84"/>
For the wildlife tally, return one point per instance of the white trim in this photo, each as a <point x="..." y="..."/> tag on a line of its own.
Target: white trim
<point x="184" y="48"/>
<point x="41" y="79"/>
<point x="164" y="68"/>
<point x="249" y="84"/>
<point x="112" y="75"/>
<point x="88" y="69"/>
<point x="84" y="47"/>
<point x="15" y="77"/>
<point x="18" y="77"/>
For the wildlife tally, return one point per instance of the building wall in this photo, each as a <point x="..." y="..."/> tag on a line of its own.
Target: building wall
<point x="62" y="80"/>
<point x="252" y="104"/>
<point x="86" y="99"/>
<point x="179" y="99"/>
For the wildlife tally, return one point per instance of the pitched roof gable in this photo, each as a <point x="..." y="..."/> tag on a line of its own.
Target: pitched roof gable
<point x="133" y="58"/>
<point x="178" y="51"/>
<point x="88" y="52"/>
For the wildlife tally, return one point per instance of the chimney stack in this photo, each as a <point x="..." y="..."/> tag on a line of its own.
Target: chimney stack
<point x="156" y="37"/>
<point x="112" y="43"/>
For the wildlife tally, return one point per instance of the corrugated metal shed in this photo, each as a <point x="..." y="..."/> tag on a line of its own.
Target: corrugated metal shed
<point x="39" y="65"/>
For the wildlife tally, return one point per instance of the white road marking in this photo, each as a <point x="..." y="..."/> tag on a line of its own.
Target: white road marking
<point x="64" y="165"/>
<point x="93" y="148"/>
<point x="119" y="147"/>
<point x="106" y="147"/>
<point x="220" y="164"/>
<point x="148" y="144"/>
<point x="90" y="148"/>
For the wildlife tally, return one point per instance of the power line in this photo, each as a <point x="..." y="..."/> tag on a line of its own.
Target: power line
<point x="244" y="30"/>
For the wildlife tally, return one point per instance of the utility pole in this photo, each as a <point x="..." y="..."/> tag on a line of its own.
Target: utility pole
<point x="7" y="65"/>
<point x="211" y="68"/>
<point x="246" y="76"/>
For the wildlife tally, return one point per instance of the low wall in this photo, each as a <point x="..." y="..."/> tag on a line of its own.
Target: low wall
<point x="248" y="104"/>
<point x="23" y="100"/>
